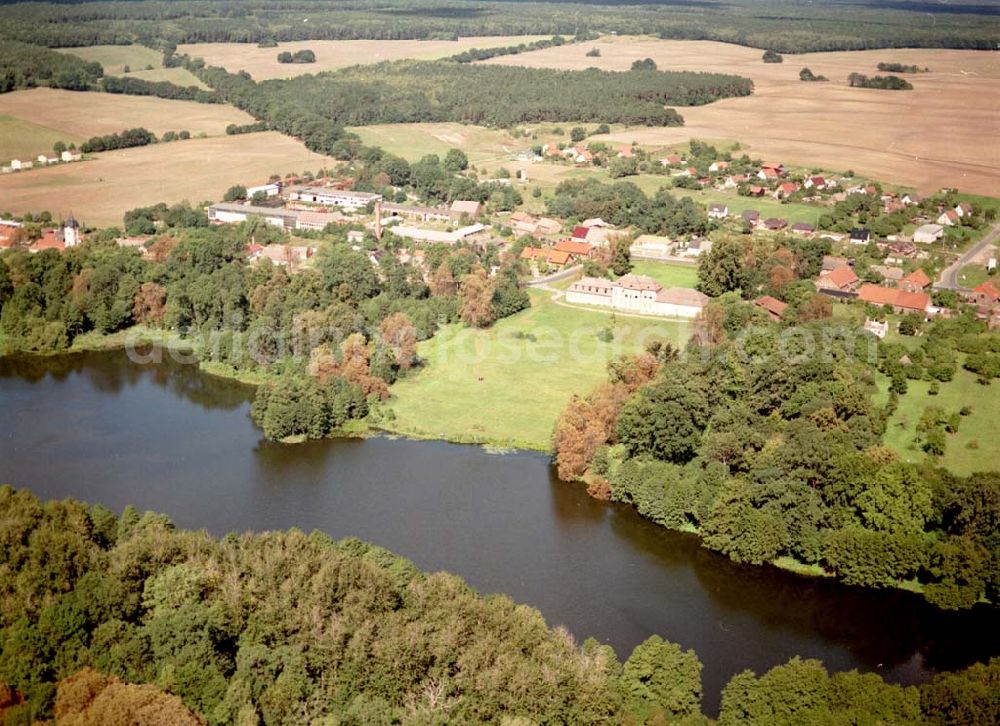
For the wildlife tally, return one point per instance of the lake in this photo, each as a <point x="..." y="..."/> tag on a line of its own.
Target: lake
<point x="166" y="437"/>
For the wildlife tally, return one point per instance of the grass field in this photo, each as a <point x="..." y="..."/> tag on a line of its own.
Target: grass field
<point x="982" y="426"/>
<point x="893" y="136"/>
<point x="972" y="275"/>
<point x="488" y="386"/>
<point x="413" y="141"/>
<point x="23" y="139"/>
<point x="82" y="115"/>
<point x="100" y="190"/>
<point x="114" y="59"/>
<point x="668" y="274"/>
<point x="262" y="63"/>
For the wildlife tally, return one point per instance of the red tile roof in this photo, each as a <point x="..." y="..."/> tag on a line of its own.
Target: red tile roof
<point x="878" y="295"/>
<point x="842" y="277"/>
<point x="918" y="277"/>
<point x="989" y="289"/>
<point x="573" y="247"/>
<point x="49" y="241"/>
<point x="772" y="304"/>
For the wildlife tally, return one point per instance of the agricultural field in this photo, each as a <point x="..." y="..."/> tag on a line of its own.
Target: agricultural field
<point x="23" y="139"/>
<point x="488" y="147"/>
<point x="80" y="115"/>
<point x="115" y="58"/>
<point x="976" y="445"/>
<point x="103" y="188"/>
<point x="668" y="274"/>
<point x="894" y="136"/>
<point x="262" y="63"/>
<point x="495" y="386"/>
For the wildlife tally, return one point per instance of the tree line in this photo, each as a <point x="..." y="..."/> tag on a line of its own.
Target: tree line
<point x="26" y="66"/>
<point x="120" y="140"/>
<point x="795" y="27"/>
<point x="161" y="89"/>
<point x="275" y="628"/>
<point x="478" y="54"/>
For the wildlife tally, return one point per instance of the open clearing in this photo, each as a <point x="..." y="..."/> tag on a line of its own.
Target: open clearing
<point x="114" y="59"/>
<point x="413" y="141"/>
<point x="488" y="386"/>
<point x="262" y="63"/>
<point x="668" y="274"/>
<point x="22" y="139"/>
<point x="981" y="426"/>
<point x="942" y="133"/>
<point x="102" y="189"/>
<point x="82" y="114"/>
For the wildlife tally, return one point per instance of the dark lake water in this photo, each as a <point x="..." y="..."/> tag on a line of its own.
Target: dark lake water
<point x="99" y="428"/>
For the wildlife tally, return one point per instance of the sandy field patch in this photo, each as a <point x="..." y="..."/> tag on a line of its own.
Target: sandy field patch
<point x="101" y="190"/>
<point x="84" y="114"/>
<point x="262" y="63"/>
<point x="944" y="132"/>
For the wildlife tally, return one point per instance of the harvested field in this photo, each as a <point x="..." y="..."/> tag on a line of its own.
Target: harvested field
<point x="85" y="114"/>
<point x="262" y="63"/>
<point x="101" y="190"/>
<point x="413" y="141"/>
<point x="935" y="135"/>
<point x="22" y="139"/>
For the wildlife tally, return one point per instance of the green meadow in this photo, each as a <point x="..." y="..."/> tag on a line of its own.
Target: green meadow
<point x="508" y="384"/>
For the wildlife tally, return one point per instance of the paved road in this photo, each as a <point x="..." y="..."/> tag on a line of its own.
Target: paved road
<point x="949" y="276"/>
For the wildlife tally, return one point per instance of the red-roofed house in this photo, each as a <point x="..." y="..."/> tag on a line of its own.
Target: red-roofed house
<point x="900" y="300"/>
<point x="916" y="281"/>
<point x="768" y="173"/>
<point x="774" y="307"/>
<point x="786" y="189"/>
<point x="986" y="294"/>
<point x="553" y="257"/>
<point x="574" y="248"/>
<point x="841" y="279"/>
<point x="671" y="160"/>
<point x="949" y="218"/>
<point x="814" y="181"/>
<point x="50" y="240"/>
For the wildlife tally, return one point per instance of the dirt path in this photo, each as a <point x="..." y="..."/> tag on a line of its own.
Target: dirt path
<point x="949" y="275"/>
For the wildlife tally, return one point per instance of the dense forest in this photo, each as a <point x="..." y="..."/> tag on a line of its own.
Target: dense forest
<point x="787" y="26"/>
<point x="288" y="628"/>
<point x="419" y="91"/>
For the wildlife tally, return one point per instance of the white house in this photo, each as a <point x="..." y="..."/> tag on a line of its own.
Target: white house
<point x="697" y="246"/>
<point x="332" y="197"/>
<point x="68" y="155"/>
<point x="718" y="211"/>
<point x="928" y="233"/>
<point x="639" y="294"/>
<point x="651" y="247"/>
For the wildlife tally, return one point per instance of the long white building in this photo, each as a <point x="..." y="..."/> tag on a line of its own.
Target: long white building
<point x="332" y="197"/>
<point x="638" y="294"/>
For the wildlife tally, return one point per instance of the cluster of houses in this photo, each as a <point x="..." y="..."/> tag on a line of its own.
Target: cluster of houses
<point x="637" y="294"/>
<point x="41" y="160"/>
<point x="656" y="247"/>
<point x="905" y="293"/>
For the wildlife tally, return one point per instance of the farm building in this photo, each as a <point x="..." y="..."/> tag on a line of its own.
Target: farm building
<point x="268" y="190"/>
<point x="900" y="300"/>
<point x="232" y="213"/>
<point x="333" y="197"/>
<point x="774" y="307"/>
<point x="718" y="211"/>
<point x="639" y="294"/>
<point x="928" y="233"/>
<point x="418" y="234"/>
<point x="651" y="247"/>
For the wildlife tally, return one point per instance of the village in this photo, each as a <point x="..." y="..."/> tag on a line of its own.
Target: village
<point x="883" y="261"/>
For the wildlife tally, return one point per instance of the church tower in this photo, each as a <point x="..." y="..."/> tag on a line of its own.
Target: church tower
<point x="71" y="231"/>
